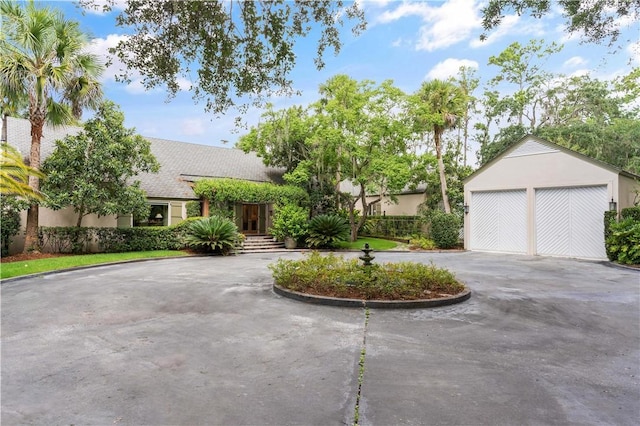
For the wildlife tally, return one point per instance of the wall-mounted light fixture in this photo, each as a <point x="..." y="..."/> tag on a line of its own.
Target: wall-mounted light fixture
<point x="466" y="208"/>
<point x="613" y="206"/>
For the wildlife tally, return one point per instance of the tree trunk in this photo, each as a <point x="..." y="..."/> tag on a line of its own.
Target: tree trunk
<point x="37" y="118"/>
<point x="443" y="180"/>
<point x="79" y="222"/>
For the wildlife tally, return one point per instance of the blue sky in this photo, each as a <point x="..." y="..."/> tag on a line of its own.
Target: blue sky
<point x="407" y="42"/>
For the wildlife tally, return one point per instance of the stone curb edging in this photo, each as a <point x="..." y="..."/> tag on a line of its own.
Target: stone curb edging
<point x="381" y="304"/>
<point x="619" y="266"/>
<point x="80" y="268"/>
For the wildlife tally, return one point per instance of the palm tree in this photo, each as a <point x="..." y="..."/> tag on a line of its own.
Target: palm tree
<point x="14" y="174"/>
<point x="440" y="104"/>
<point x="40" y="54"/>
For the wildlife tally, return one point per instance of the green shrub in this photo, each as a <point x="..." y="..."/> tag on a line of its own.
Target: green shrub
<point x="289" y="220"/>
<point x="65" y="239"/>
<point x="624" y="241"/>
<point x="445" y="229"/>
<point x="328" y="231"/>
<point x="393" y="226"/>
<point x="631" y="213"/>
<point x="213" y="234"/>
<point x="333" y="275"/>
<point x="144" y="238"/>
<point x="194" y="209"/>
<point x="422" y="243"/>
<point x="10" y="208"/>
<point x="609" y="218"/>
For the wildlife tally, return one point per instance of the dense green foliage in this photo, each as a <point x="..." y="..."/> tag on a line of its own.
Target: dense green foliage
<point x="16" y="269"/>
<point x="213" y="234"/>
<point x="230" y="51"/>
<point x="143" y="238"/>
<point x="93" y="171"/>
<point x="335" y="276"/>
<point x="194" y="209"/>
<point x="610" y="217"/>
<point x="631" y="213"/>
<point x="223" y="192"/>
<point x="596" y="20"/>
<point x="623" y="242"/>
<point x="43" y="57"/>
<point x="394" y="226"/>
<point x="327" y="231"/>
<point x="14" y="174"/>
<point x="289" y="220"/>
<point x="445" y="229"/>
<point x="114" y="240"/>
<point x="10" y="208"/>
<point x="422" y="243"/>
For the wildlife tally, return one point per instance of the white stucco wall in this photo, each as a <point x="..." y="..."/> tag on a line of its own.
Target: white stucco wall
<point x="407" y="204"/>
<point x="551" y="169"/>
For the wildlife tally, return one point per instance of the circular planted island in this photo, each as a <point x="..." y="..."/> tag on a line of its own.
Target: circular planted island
<point x="335" y="281"/>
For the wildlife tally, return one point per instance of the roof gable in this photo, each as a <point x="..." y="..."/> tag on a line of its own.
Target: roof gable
<point x="180" y="162"/>
<point x="533" y="145"/>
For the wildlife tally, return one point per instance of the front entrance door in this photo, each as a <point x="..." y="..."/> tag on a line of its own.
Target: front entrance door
<point x="250" y="218"/>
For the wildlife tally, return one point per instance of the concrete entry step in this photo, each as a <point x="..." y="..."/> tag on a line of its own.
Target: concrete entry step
<point x="260" y="243"/>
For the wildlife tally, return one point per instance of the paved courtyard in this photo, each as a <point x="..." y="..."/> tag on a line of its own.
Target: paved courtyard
<point x="204" y="341"/>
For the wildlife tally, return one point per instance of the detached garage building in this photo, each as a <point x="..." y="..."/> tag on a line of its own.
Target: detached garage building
<point x="541" y="198"/>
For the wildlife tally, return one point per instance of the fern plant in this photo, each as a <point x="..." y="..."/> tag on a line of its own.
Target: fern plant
<point x="326" y="231"/>
<point x="214" y="234"/>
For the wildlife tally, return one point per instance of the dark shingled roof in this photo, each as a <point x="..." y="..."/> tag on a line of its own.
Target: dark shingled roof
<point x="180" y="163"/>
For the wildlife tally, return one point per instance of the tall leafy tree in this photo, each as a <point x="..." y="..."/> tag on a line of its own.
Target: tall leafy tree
<point x="232" y="52"/>
<point x="94" y="171"/>
<point x="436" y="107"/>
<point x="40" y="53"/>
<point x="364" y="126"/>
<point x="522" y="73"/>
<point x="468" y="82"/>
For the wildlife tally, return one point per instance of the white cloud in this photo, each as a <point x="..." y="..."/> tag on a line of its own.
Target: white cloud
<point x="443" y="26"/>
<point x="192" y="126"/>
<point x="405" y="10"/>
<point x="449" y="68"/>
<point x="580" y="72"/>
<point x="449" y="24"/>
<point x="574" y="61"/>
<point x="184" y="84"/>
<point x="511" y="25"/>
<point x="100" y="47"/>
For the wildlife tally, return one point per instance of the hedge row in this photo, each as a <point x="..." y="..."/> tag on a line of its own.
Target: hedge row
<point x="394" y="226"/>
<point x="71" y="239"/>
<point x="622" y="238"/>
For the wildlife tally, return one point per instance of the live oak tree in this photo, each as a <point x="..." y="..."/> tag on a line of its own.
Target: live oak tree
<point x="598" y="21"/>
<point x="232" y="53"/>
<point x="40" y="54"/>
<point x="94" y="171"/>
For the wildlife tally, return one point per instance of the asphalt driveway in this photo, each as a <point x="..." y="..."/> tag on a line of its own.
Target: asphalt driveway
<point x="197" y="341"/>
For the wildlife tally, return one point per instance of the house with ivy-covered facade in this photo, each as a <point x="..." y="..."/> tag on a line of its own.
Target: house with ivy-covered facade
<point x="248" y="194"/>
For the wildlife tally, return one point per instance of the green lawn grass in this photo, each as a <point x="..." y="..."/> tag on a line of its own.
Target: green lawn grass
<point x="374" y="243"/>
<point x="16" y="269"/>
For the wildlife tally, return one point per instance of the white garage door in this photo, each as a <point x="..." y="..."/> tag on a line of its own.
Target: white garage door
<point x="569" y="221"/>
<point x="498" y="221"/>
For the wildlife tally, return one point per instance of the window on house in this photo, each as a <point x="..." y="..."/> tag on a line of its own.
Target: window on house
<point x="159" y="216"/>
